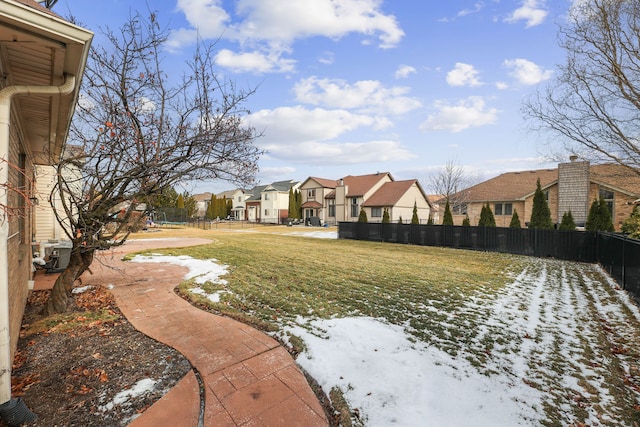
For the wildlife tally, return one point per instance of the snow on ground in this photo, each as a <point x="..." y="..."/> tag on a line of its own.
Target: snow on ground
<point x="200" y="270"/>
<point x="316" y="234"/>
<point x="395" y="382"/>
<point x="535" y="353"/>
<point x="143" y="386"/>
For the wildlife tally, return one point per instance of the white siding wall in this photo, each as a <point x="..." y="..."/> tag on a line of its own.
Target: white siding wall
<point x="46" y="225"/>
<point x="404" y="207"/>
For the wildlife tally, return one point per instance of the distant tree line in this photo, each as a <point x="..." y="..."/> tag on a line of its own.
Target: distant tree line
<point x="219" y="207"/>
<point x="295" y="204"/>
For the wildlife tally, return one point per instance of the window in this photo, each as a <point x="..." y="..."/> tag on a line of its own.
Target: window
<point x="311" y="193"/>
<point x="354" y="207"/>
<point x="332" y="207"/>
<point x="459" y="209"/>
<point x="508" y="209"/>
<point x="239" y="199"/>
<point x="503" y="209"/>
<point x="608" y="197"/>
<point x="266" y="212"/>
<point x="376" y="212"/>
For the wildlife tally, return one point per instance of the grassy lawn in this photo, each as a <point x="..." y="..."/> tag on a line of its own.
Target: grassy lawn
<point x="276" y="278"/>
<point x="560" y="328"/>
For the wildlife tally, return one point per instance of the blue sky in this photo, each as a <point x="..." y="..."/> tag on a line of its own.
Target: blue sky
<point x="350" y="87"/>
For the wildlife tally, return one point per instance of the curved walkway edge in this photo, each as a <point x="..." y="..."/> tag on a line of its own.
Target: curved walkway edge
<point x="249" y="379"/>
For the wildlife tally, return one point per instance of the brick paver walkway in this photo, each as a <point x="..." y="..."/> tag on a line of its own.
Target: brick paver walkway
<point x="249" y="379"/>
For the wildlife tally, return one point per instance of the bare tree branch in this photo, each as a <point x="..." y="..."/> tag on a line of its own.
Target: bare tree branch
<point x="594" y="103"/>
<point x="140" y="132"/>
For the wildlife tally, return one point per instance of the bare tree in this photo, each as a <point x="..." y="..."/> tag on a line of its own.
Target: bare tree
<point x="141" y="132"/>
<point x="449" y="180"/>
<point x="594" y="102"/>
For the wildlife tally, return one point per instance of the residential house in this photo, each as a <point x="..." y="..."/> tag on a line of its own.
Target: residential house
<point x="270" y="203"/>
<point x="314" y="192"/>
<point x="42" y="60"/>
<point x="341" y="200"/>
<point x="573" y="186"/>
<point x="202" y="203"/>
<point x="436" y="209"/>
<point x="239" y="210"/>
<point x="237" y="197"/>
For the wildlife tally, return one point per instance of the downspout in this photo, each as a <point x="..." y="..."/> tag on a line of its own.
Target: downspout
<point x="6" y="96"/>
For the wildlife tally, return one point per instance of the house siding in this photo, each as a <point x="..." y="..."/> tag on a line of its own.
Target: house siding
<point x="46" y="225"/>
<point x="19" y="242"/>
<point x="320" y="194"/>
<point x="404" y="206"/>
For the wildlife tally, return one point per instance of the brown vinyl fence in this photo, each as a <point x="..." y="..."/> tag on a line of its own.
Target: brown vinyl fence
<point x="618" y="255"/>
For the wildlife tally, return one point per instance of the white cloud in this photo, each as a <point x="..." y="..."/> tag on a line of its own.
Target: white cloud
<point x="364" y="95"/>
<point x="527" y="72"/>
<point x="531" y="11"/>
<point x="179" y="38"/>
<point x="145" y="105"/>
<point x="303" y="135"/>
<point x="477" y="7"/>
<point x="340" y="152"/>
<point x="327" y="58"/>
<point x="295" y="124"/>
<point x="271" y="174"/>
<point x="208" y="20"/>
<point x="256" y="62"/>
<point x="278" y="23"/>
<point x="463" y="75"/>
<point x="86" y="102"/>
<point x="285" y="21"/>
<point x="404" y="71"/>
<point x="502" y="86"/>
<point x="467" y="113"/>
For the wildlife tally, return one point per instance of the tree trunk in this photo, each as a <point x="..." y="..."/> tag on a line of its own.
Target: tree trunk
<point x="79" y="261"/>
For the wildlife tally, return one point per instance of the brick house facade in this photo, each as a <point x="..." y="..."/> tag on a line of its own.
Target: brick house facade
<point x="573" y="186"/>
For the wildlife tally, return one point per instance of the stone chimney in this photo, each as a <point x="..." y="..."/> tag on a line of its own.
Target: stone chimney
<point x="573" y="189"/>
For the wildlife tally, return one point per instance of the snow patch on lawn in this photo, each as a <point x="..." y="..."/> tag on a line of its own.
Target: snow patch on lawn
<point x="393" y="381"/>
<point x="316" y="234"/>
<point x="201" y="271"/>
<point x="140" y="388"/>
<point x="213" y="297"/>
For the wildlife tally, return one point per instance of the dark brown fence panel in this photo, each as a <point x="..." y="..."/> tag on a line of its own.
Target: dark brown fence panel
<point x="620" y="257"/>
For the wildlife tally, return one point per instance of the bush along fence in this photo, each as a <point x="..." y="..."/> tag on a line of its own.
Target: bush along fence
<point x="618" y="255"/>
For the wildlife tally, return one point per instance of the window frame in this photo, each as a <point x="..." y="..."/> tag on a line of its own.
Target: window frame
<point x="355" y="211"/>
<point x="603" y="193"/>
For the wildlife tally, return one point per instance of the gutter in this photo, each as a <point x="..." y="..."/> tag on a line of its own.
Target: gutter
<point x="6" y="96"/>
